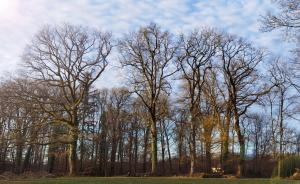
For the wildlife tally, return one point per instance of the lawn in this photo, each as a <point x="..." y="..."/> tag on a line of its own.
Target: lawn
<point x="158" y="180"/>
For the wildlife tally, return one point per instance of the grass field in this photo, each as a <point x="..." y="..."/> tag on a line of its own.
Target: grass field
<point x="158" y="180"/>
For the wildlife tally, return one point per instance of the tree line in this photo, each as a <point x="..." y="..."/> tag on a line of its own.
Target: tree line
<point x="192" y="102"/>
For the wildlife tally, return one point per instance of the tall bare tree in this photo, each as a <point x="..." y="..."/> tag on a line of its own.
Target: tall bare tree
<point x="68" y="59"/>
<point x="198" y="50"/>
<point x="148" y="54"/>
<point x="239" y="61"/>
<point x="280" y="77"/>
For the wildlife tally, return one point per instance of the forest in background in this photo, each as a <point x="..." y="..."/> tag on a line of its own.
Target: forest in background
<point x="192" y="103"/>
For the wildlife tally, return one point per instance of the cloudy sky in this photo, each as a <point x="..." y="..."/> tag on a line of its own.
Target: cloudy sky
<point x="21" y="19"/>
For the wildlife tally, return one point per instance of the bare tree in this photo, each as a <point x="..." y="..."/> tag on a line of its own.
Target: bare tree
<point x="68" y="59"/>
<point x="211" y="116"/>
<point x="280" y="77"/>
<point x="239" y="61"/>
<point x="148" y="54"/>
<point x="288" y="20"/>
<point x="119" y="100"/>
<point x="288" y="17"/>
<point x="198" y="50"/>
<point x="25" y="120"/>
<point x="55" y="106"/>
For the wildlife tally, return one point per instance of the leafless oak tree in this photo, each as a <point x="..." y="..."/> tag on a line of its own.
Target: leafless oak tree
<point x="67" y="59"/>
<point x="239" y="61"/>
<point x="149" y="54"/>
<point x="197" y="51"/>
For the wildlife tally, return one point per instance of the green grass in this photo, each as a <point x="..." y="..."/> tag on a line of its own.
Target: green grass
<point x="158" y="180"/>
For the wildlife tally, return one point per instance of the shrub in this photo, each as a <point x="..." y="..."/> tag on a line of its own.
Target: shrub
<point x="288" y="167"/>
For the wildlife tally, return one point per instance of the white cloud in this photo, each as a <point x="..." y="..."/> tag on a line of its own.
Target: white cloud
<point x="20" y="20"/>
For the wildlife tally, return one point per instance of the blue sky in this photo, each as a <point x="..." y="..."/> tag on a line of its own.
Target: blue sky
<point x="21" y="19"/>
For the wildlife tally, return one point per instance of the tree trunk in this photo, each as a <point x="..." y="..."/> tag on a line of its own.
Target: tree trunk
<point x="130" y="150"/>
<point x="241" y="139"/>
<point x="162" y="143"/>
<point x="52" y="148"/>
<point x="19" y="145"/>
<point x="153" y="146"/>
<point x="146" y="135"/>
<point x="120" y="154"/>
<point x="180" y="148"/>
<point x="103" y="153"/>
<point x="136" y="147"/>
<point x="72" y="155"/>
<point x="225" y="148"/>
<point x="280" y="133"/>
<point x="192" y="145"/>
<point x="208" y="155"/>
<point x="81" y="150"/>
<point x="113" y="155"/>
<point x="274" y="147"/>
<point x="27" y="158"/>
<point x="51" y="158"/>
<point x="120" y="147"/>
<point x="168" y="148"/>
<point x="18" y="159"/>
<point x="241" y="161"/>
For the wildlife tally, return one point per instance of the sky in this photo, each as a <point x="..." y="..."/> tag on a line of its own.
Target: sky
<point x="21" y="19"/>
